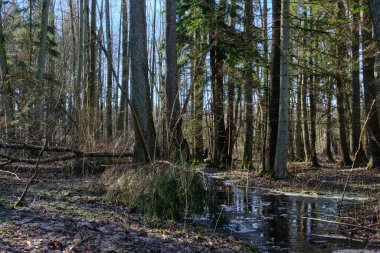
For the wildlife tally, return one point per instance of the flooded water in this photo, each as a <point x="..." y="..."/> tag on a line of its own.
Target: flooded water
<point x="284" y="223"/>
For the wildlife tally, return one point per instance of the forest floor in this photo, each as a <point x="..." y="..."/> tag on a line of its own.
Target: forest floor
<point x="72" y="215"/>
<point x="63" y="214"/>
<point x="325" y="180"/>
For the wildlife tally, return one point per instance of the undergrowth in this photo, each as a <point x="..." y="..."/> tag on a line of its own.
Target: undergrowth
<point x="161" y="191"/>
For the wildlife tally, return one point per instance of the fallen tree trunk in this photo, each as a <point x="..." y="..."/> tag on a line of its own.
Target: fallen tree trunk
<point x="76" y="153"/>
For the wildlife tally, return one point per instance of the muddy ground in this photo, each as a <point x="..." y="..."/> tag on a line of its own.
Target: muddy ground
<point x="71" y="215"/>
<point x="63" y="214"/>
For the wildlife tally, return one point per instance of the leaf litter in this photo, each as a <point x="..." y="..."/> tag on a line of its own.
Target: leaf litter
<point x="71" y="215"/>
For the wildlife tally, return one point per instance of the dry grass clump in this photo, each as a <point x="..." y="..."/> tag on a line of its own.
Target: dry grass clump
<point x="162" y="191"/>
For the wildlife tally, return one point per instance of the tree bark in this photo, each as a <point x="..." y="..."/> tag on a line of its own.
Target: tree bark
<point x="43" y="41"/>
<point x="36" y="129"/>
<point x="248" y="144"/>
<point x="329" y="122"/>
<point x="144" y="130"/>
<point x="176" y="140"/>
<point x="274" y="84"/>
<point x="300" y="152"/>
<point x="373" y="128"/>
<point x="92" y="101"/>
<point x="231" y="95"/>
<point x="123" y="120"/>
<point x="109" y="74"/>
<point x="3" y="56"/>
<point x="377" y="83"/>
<point x="305" y="78"/>
<point x="374" y="6"/>
<point x="305" y="116"/>
<point x="375" y="13"/>
<point x="361" y="158"/>
<point x="5" y="83"/>
<point x="281" y="159"/>
<point x="313" y="116"/>
<point x="346" y="159"/>
<point x="199" y="88"/>
<point x="266" y="85"/>
<point x="218" y="53"/>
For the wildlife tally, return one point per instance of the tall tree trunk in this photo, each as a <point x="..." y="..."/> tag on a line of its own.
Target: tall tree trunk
<point x="300" y="152"/>
<point x="100" y="88"/>
<point x="361" y="158"/>
<point x="329" y="92"/>
<point x="305" y="78"/>
<point x="231" y="94"/>
<point x="92" y="101"/>
<point x="281" y="159"/>
<point x="200" y="83"/>
<point x="373" y="128"/>
<point x="41" y="64"/>
<point x="176" y="140"/>
<point x="313" y="106"/>
<point x="375" y="13"/>
<point x="79" y="82"/>
<point x="86" y="59"/>
<point x="123" y="113"/>
<point x="377" y="83"/>
<point x="313" y="121"/>
<point x="266" y="85"/>
<point x="4" y="81"/>
<point x="109" y="74"/>
<point x="374" y="6"/>
<point x="346" y="159"/>
<point x="218" y="54"/>
<point x="3" y="56"/>
<point x="153" y="55"/>
<point x="145" y="136"/>
<point x="247" y="156"/>
<point x="51" y="100"/>
<point x="305" y="116"/>
<point x="274" y="83"/>
<point x="43" y="41"/>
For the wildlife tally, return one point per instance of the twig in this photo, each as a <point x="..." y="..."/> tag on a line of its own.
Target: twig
<point x="217" y="221"/>
<point x="23" y="195"/>
<point x="8" y="172"/>
<point x="343" y="224"/>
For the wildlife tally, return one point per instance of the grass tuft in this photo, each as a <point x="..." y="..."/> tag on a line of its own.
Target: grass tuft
<point x="162" y="191"/>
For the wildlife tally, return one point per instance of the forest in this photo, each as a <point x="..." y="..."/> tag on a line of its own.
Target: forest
<point x="189" y="125"/>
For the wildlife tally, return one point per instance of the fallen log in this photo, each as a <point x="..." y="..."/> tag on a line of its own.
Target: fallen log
<point x="76" y="153"/>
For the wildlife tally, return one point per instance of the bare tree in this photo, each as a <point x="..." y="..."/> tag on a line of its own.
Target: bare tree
<point x="145" y="136"/>
<point x="109" y="73"/>
<point x="174" y="119"/>
<point x="123" y="120"/>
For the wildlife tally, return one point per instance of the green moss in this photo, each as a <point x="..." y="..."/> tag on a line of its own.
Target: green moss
<point x="266" y="171"/>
